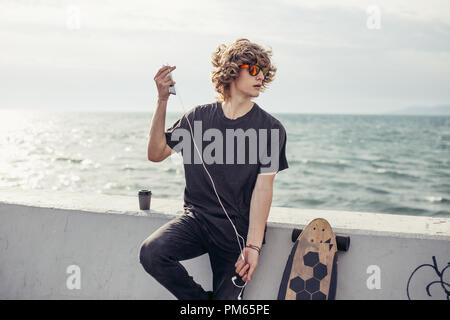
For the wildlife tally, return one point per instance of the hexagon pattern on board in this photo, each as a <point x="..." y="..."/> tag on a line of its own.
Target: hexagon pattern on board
<point x="297" y="284"/>
<point x="312" y="285"/>
<point x="311" y="259"/>
<point x="320" y="271"/>
<point x="307" y="289"/>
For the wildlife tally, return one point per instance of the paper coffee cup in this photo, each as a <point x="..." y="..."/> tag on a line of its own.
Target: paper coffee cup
<point x="145" y="197"/>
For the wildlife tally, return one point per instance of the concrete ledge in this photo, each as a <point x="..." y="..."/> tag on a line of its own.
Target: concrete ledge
<point x="367" y="223"/>
<point x="42" y="233"/>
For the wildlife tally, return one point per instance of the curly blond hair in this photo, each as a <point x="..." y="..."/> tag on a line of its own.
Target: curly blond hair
<point x="226" y="62"/>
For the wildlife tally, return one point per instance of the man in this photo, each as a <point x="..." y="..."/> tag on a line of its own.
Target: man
<point x="244" y="188"/>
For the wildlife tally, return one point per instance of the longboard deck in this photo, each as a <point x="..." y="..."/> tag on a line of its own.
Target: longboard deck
<point x="311" y="269"/>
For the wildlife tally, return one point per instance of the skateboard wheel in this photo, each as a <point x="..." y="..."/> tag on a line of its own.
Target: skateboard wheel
<point x="342" y="241"/>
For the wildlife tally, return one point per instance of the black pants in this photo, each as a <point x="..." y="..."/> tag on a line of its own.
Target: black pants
<point x="184" y="238"/>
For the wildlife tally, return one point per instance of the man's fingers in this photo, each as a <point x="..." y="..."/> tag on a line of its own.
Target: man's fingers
<point x="248" y="276"/>
<point x="243" y="270"/>
<point x="161" y="70"/>
<point x="164" y="71"/>
<point x="250" y="272"/>
<point x="239" y="265"/>
<point x="167" y="81"/>
<point x="159" y="73"/>
<point x="240" y="262"/>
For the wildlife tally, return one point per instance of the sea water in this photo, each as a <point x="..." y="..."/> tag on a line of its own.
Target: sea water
<point x="394" y="164"/>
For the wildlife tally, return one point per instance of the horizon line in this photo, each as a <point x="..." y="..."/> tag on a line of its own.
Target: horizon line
<point x="392" y="113"/>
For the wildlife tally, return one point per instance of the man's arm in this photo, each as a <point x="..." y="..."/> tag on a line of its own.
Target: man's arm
<point x="259" y="208"/>
<point x="158" y="150"/>
<point x="259" y="212"/>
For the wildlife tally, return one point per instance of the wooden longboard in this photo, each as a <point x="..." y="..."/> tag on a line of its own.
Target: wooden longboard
<point x="311" y="269"/>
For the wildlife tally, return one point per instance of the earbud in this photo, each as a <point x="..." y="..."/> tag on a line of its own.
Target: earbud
<point x="233" y="279"/>
<point x="242" y="287"/>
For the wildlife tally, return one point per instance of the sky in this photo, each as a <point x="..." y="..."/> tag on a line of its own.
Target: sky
<point x="341" y="57"/>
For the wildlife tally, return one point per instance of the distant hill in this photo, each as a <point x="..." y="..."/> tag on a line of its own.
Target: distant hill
<point x="430" y="111"/>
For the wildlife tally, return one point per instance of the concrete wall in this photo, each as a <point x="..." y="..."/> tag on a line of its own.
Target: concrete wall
<point x="42" y="234"/>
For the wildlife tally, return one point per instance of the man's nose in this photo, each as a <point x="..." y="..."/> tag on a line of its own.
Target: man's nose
<point x="260" y="75"/>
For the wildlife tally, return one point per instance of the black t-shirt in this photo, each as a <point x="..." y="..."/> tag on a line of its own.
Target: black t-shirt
<point x="234" y="177"/>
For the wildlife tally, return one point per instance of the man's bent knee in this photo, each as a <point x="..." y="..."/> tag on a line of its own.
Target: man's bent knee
<point x="150" y="255"/>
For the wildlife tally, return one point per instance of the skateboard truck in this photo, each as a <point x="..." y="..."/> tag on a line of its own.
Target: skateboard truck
<point x="342" y="241"/>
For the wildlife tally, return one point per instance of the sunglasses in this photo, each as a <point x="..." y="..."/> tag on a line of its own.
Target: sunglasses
<point x="253" y="69"/>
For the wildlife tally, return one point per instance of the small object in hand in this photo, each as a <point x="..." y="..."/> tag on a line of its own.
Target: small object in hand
<point x="172" y="87"/>
<point x="145" y="197"/>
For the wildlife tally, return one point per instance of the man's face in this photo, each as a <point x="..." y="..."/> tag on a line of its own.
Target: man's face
<point x="245" y="84"/>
